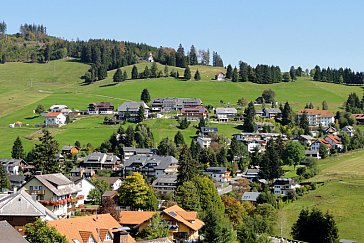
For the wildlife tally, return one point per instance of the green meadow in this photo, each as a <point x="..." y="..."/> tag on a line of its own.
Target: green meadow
<point x="341" y="195"/>
<point x="23" y="86"/>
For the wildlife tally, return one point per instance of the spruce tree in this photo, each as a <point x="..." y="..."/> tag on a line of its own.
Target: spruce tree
<point x="197" y="75"/>
<point x="188" y="167"/>
<point x="165" y="71"/>
<point x="118" y="76"/>
<point x="180" y="57"/>
<point x="134" y="73"/>
<point x="193" y="56"/>
<point x="179" y="139"/>
<point x="244" y="72"/>
<point x="270" y="163"/>
<point x="292" y="73"/>
<point x="229" y="72"/>
<point x="154" y="70"/>
<point x="140" y="116"/>
<point x="17" y="150"/>
<point x="287" y="115"/>
<point x="45" y="154"/>
<point x="145" y="96"/>
<point x="4" y="181"/>
<point x="125" y="75"/>
<point x="235" y="75"/>
<point x="249" y="115"/>
<point x="187" y="73"/>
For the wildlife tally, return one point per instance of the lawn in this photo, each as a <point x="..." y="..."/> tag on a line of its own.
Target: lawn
<point x="342" y="195"/>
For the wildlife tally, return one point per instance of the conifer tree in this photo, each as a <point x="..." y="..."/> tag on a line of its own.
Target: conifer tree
<point x="134" y="73"/>
<point x="17" y="150"/>
<point x="145" y="96"/>
<point x="193" y="56"/>
<point x="187" y="73"/>
<point x="249" y="115"/>
<point x="4" y="181"/>
<point x="197" y="75"/>
<point x="118" y="76"/>
<point x="229" y="72"/>
<point x="141" y="114"/>
<point x="235" y="75"/>
<point x="188" y="167"/>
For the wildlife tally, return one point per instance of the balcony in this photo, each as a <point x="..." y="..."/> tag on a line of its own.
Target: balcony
<point x="37" y="192"/>
<point x="173" y="227"/>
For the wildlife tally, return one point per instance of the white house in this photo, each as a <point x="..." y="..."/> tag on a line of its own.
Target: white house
<point x="317" y="117"/>
<point x="55" y="119"/>
<point x="334" y="141"/>
<point x="220" y="76"/>
<point x="253" y="144"/>
<point x="225" y="114"/>
<point x="283" y="186"/>
<point x="86" y="186"/>
<point x="129" y="110"/>
<point x="57" y="108"/>
<point x="220" y="174"/>
<point x="204" y="142"/>
<point x="349" y="130"/>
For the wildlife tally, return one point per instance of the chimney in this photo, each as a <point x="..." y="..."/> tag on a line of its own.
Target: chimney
<point x="118" y="236"/>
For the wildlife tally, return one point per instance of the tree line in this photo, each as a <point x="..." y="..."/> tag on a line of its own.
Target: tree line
<point x="339" y="76"/>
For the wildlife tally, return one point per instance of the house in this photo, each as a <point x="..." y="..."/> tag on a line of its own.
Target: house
<point x="271" y="113"/>
<point x="312" y="154"/>
<point x="317" y="117"/>
<point x="349" y="130"/>
<point x="20" y="208"/>
<point x="89" y="229"/>
<point x="252" y="174"/>
<point x="258" y="140"/>
<point x="82" y="172"/>
<point x="129" y="110"/>
<point x="102" y="108"/>
<point x="183" y="225"/>
<point x="166" y="184"/>
<point x="194" y="113"/>
<point x="204" y="142"/>
<point x="114" y="182"/>
<point x="102" y="161"/>
<point x="284" y="186"/>
<point x="127" y="152"/>
<point x="220" y="76"/>
<point x="13" y="166"/>
<point x="70" y="150"/>
<point x="86" y="186"/>
<point x="316" y="145"/>
<point x="219" y="174"/>
<point x="209" y="131"/>
<point x="56" y="119"/>
<point x="174" y="104"/>
<point x="9" y="234"/>
<point x="150" y="58"/>
<point x="254" y="145"/>
<point x="330" y="130"/>
<point x="55" y="191"/>
<point x="261" y="126"/>
<point x="334" y="141"/>
<point x="57" y="108"/>
<point x="359" y="118"/>
<point x="306" y="140"/>
<point x="225" y="114"/>
<point x="113" y="195"/>
<point x="151" y="166"/>
<point x="16" y="181"/>
<point x="250" y="197"/>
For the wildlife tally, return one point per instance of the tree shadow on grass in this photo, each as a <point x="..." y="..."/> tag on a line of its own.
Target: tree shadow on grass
<point x="31" y="118"/>
<point x="239" y="127"/>
<point x="107" y="85"/>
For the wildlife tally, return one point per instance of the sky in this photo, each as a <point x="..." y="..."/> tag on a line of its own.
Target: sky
<point x="274" y="32"/>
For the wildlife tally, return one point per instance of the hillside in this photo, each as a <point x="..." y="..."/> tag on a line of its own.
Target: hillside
<point x="341" y="195"/>
<point x="23" y="86"/>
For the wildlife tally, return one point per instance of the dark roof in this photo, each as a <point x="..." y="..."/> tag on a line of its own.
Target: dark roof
<point x="110" y="180"/>
<point x="250" y="196"/>
<point x="216" y="169"/>
<point x="162" y="162"/>
<point x="284" y="181"/>
<point x="109" y="193"/>
<point x="12" y="162"/>
<point x="169" y="179"/>
<point x="16" y="178"/>
<point x="9" y="234"/>
<point x="209" y="129"/>
<point x="102" y="104"/>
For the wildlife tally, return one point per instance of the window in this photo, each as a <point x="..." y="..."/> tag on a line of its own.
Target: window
<point x="108" y="237"/>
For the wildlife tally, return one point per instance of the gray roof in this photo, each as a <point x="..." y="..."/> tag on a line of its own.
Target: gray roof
<point x="53" y="181"/>
<point x="272" y="110"/>
<point x="250" y="196"/>
<point x="226" y="110"/>
<point x="102" y="158"/>
<point x="22" y="204"/>
<point x="132" y="106"/>
<point x="137" y="150"/>
<point x="209" y="129"/>
<point x="16" y="178"/>
<point x="262" y="124"/>
<point x="216" y="169"/>
<point x="110" y="180"/>
<point x="169" y="179"/>
<point x="162" y="161"/>
<point x="9" y="234"/>
<point x="12" y="162"/>
<point x="67" y="147"/>
<point x="109" y="193"/>
<point x="284" y="181"/>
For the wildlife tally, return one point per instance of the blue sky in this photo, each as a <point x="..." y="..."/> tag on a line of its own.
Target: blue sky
<point x="281" y="32"/>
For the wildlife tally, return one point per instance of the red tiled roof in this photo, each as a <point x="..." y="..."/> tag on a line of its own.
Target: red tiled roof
<point x="187" y="218"/>
<point x="322" y="113"/>
<point x="134" y="217"/>
<point x="334" y="138"/>
<point x="53" y="114"/>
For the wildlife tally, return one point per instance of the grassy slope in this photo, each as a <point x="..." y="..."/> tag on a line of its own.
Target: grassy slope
<point x="341" y="195"/>
<point x="59" y="82"/>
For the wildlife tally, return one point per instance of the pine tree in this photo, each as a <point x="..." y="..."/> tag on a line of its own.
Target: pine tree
<point x="249" y="115"/>
<point x="141" y="114"/>
<point x="146" y="72"/>
<point x="118" y="76"/>
<point x="244" y="72"/>
<point x="287" y="115"/>
<point x="193" y="56"/>
<point x="145" y="96"/>
<point x="229" y="71"/>
<point x="154" y="70"/>
<point x="270" y="163"/>
<point x="134" y="73"/>
<point x="125" y="75"/>
<point x="179" y="139"/>
<point x="188" y="167"/>
<point x="180" y="57"/>
<point x="187" y="73"/>
<point x="197" y="75"/>
<point x="45" y="154"/>
<point x="324" y="105"/>
<point x="304" y="123"/>
<point x="235" y="75"/>
<point x="292" y="73"/>
<point x="18" y="150"/>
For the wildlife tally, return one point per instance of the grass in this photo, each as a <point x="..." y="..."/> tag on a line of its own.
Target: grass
<point x="23" y="86"/>
<point x="341" y="195"/>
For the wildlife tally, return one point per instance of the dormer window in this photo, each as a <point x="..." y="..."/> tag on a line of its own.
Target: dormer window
<point x="108" y="237"/>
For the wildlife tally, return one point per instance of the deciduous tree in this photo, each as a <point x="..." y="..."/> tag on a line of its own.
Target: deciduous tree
<point x="40" y="232"/>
